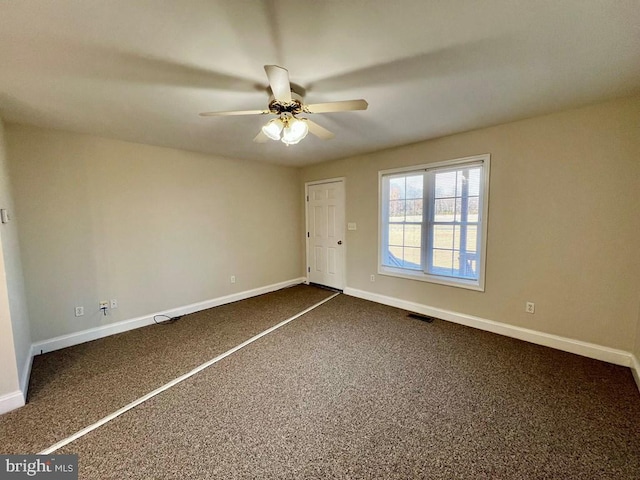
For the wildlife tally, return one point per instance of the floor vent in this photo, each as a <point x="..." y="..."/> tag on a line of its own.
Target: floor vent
<point x="424" y="318"/>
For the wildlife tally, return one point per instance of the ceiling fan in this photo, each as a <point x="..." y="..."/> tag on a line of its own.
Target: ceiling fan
<point x="287" y="105"/>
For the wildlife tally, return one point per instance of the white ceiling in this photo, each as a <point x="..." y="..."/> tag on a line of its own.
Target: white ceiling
<point x="142" y="70"/>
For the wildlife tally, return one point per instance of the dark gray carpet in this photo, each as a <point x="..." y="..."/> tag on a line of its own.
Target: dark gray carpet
<point x="351" y="390"/>
<point x="359" y="390"/>
<point x="77" y="386"/>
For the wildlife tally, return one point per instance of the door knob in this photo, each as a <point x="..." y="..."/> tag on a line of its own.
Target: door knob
<point x="339" y="242"/>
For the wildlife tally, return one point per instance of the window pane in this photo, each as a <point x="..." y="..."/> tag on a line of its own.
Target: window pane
<point x="471" y="206"/>
<point x="444" y="210"/>
<point x="396" y="236"/>
<point x="474" y="203"/>
<point x="460" y="182"/>
<point x="413" y="236"/>
<point x="396" y="210"/>
<point x="442" y="236"/>
<point x="407" y="257"/>
<point x="456" y="237"/>
<point x="469" y="265"/>
<point x="459" y="210"/>
<point x="412" y="258"/>
<point x="415" y="185"/>
<point x="396" y="188"/>
<point x="405" y="204"/>
<point x="397" y="257"/>
<point x="414" y="210"/>
<point x="456" y="262"/>
<point x="474" y="181"/>
<point x="445" y="184"/>
<point x="472" y="238"/>
<point x="442" y="261"/>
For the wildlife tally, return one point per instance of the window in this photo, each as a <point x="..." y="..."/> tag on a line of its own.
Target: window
<point x="433" y="222"/>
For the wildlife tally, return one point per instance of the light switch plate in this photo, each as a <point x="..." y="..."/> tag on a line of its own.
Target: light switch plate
<point x="351" y="226"/>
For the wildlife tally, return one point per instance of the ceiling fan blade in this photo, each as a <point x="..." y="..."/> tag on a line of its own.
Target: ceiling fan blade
<point x="279" y="81"/>
<point x="319" y="131"/>
<point x="235" y="112"/>
<point x="343" y="106"/>
<point x="261" y="138"/>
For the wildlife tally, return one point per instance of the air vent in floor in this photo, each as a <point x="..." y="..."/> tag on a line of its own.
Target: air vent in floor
<point x="424" y="318"/>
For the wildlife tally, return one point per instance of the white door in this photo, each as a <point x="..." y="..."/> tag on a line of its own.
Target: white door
<point x="325" y="234"/>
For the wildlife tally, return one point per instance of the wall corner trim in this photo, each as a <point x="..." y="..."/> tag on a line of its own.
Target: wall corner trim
<point x="26" y="374"/>
<point x="591" y="350"/>
<point x="11" y="401"/>
<point x="83" y="336"/>
<point x="635" y="369"/>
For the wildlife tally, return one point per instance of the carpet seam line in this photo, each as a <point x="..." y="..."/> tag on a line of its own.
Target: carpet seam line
<point x="130" y="406"/>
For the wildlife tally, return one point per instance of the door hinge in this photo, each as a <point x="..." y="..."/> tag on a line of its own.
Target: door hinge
<point x="308" y="269"/>
<point x="307" y="234"/>
<point x="307" y="198"/>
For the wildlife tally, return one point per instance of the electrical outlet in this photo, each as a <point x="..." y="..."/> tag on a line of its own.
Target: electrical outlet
<point x="114" y="303"/>
<point x="79" y="311"/>
<point x="530" y="307"/>
<point x="233" y="279"/>
<point x="104" y="304"/>
<point x="372" y="278"/>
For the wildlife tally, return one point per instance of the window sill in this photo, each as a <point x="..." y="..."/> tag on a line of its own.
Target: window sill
<point x="424" y="277"/>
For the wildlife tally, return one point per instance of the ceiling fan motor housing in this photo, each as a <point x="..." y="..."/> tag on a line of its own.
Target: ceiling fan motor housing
<point x="294" y="107"/>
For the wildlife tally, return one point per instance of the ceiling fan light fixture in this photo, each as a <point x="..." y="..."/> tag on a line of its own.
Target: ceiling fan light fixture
<point x="273" y="129"/>
<point x="295" y="131"/>
<point x="286" y="104"/>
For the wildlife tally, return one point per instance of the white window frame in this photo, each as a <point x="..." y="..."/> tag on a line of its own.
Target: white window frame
<point x="420" y="275"/>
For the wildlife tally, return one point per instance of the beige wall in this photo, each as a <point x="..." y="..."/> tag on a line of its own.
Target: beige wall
<point x="637" y="346"/>
<point x="154" y="228"/>
<point x="9" y="380"/>
<point x="563" y="222"/>
<point x="15" y="343"/>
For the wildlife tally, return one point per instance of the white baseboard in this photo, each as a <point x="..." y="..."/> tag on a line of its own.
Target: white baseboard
<point x="598" y="352"/>
<point x="591" y="350"/>
<point x="18" y="399"/>
<point x="635" y="369"/>
<point x="11" y="401"/>
<point x="76" y="338"/>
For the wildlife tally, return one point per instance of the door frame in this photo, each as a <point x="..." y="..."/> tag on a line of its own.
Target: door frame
<point x="343" y="265"/>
